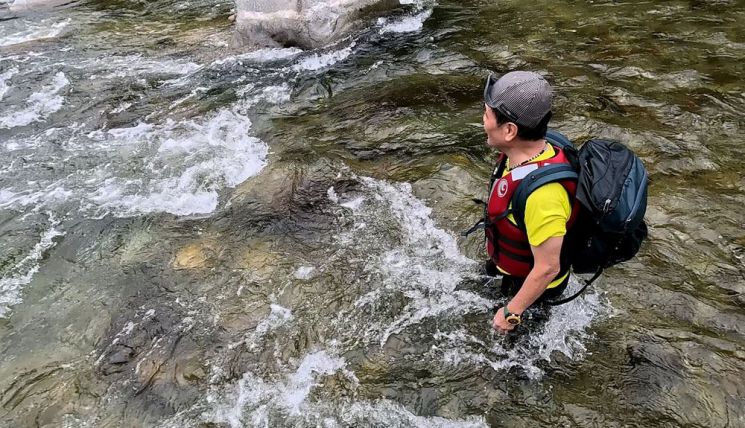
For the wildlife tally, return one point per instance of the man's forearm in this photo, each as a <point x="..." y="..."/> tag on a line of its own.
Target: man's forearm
<point x="546" y="267"/>
<point x="534" y="285"/>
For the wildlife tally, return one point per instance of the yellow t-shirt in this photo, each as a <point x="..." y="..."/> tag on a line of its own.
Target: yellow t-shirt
<point x="547" y="211"/>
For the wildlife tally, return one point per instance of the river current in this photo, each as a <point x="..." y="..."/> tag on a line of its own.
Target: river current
<point x="195" y="234"/>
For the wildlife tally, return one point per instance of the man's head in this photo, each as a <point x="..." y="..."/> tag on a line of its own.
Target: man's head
<point x="522" y="101"/>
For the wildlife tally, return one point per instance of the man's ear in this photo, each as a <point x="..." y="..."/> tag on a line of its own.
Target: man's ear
<point x="510" y="131"/>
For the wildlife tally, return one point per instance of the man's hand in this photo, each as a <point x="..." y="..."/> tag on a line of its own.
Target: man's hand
<point x="500" y="324"/>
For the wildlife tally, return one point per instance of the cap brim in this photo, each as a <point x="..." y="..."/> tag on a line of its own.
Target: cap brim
<point x="496" y="105"/>
<point x="490" y="81"/>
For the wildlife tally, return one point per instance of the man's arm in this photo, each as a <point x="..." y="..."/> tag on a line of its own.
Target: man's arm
<point x="545" y="268"/>
<point x="547" y="211"/>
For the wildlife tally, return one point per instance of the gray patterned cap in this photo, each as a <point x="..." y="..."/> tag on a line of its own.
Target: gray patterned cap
<point x="524" y="97"/>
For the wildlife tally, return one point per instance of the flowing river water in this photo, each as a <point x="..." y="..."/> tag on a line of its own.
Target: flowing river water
<point x="198" y="235"/>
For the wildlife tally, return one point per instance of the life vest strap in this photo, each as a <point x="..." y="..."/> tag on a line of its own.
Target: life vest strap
<point x="481" y="224"/>
<point x="542" y="176"/>
<point x="515" y="244"/>
<point x="484" y="222"/>
<point x="518" y="257"/>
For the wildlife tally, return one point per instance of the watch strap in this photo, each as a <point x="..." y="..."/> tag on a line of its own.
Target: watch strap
<point x="511" y="318"/>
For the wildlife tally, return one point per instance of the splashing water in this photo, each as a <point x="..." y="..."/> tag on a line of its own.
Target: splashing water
<point x="39" y="105"/>
<point x="15" y="278"/>
<point x="46" y="29"/>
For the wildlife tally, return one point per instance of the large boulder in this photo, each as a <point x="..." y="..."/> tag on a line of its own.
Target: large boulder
<point x="306" y="24"/>
<point x="26" y="5"/>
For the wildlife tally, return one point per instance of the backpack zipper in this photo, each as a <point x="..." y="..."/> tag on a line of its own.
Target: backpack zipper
<point x="606" y="207"/>
<point x="638" y="200"/>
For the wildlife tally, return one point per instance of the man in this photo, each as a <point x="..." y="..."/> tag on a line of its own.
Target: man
<point x="516" y="115"/>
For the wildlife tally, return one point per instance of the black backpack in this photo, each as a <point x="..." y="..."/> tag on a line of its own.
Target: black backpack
<point x="612" y="193"/>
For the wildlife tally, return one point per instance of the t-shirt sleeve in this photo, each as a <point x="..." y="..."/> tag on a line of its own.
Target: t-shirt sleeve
<point x="547" y="211"/>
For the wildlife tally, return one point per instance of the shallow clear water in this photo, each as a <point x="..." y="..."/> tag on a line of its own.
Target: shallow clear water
<point x="192" y="234"/>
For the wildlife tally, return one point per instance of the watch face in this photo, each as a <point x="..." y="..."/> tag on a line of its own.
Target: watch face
<point x="512" y="319"/>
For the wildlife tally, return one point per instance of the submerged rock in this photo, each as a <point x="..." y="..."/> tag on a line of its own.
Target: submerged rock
<point x="304" y="23"/>
<point x="121" y="356"/>
<point x="662" y="382"/>
<point x="194" y="256"/>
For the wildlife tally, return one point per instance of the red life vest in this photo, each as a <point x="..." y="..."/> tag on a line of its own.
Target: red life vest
<point x="507" y="244"/>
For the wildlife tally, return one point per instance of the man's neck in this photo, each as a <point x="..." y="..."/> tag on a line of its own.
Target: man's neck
<point x="524" y="151"/>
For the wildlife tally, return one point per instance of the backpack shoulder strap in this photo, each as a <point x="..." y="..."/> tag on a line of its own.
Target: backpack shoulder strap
<point x="541" y="176"/>
<point x="558" y="139"/>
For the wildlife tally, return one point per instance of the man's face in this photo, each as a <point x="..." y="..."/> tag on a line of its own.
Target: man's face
<point x="496" y="135"/>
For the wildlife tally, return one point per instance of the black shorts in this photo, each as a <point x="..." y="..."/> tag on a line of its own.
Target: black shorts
<point x="511" y="285"/>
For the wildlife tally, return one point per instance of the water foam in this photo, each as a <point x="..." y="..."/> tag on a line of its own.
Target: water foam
<point x="388" y="413"/>
<point x="305" y="272"/>
<point x="275" y="94"/>
<point x="565" y="332"/>
<point x="177" y="167"/>
<point x="278" y="316"/>
<point x="52" y="194"/>
<point x="256" y="401"/>
<point x="192" y="162"/>
<point x="44" y="30"/>
<point x="425" y="265"/>
<point x="318" y="61"/>
<point x="260" y="56"/>
<point x="12" y="283"/>
<point x="414" y="216"/>
<point x="39" y="105"/>
<point x="117" y="67"/>
<point x="408" y="24"/>
<point x="252" y="398"/>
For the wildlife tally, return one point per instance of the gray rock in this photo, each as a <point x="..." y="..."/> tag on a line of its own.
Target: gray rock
<point x="27" y="5"/>
<point x="121" y="356"/>
<point x="304" y="23"/>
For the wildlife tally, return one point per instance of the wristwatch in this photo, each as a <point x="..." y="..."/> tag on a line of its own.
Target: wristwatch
<point x="511" y="318"/>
